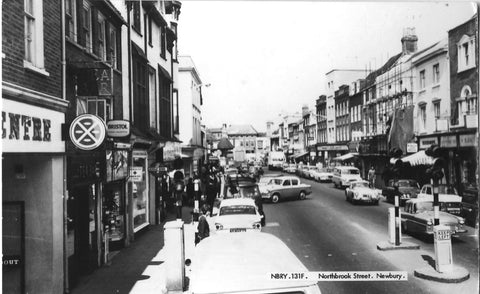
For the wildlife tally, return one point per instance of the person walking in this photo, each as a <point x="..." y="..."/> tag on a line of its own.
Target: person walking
<point x="371" y="177"/>
<point x="190" y="192"/>
<point x="203" y="229"/>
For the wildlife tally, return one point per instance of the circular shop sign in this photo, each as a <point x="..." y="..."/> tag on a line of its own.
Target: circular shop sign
<point x="87" y="131"/>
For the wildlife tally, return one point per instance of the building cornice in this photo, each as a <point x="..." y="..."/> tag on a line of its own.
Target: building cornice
<point x="29" y="96"/>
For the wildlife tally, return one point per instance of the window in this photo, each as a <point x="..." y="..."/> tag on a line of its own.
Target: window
<point x="150" y="33"/>
<point x="175" y="49"/>
<point x="466" y="53"/>
<point x="436" y="74"/>
<point x="152" y="97"/>
<point x="87" y="26"/>
<point x="101" y="47"/>
<point x="422" y="79"/>
<point x="140" y="98"/>
<point x="423" y="114"/>
<point x="71" y="19"/>
<point x="176" y="111"/>
<point x="136" y="16"/>
<point x="286" y="183"/>
<point x="113" y="47"/>
<point x="33" y="35"/>
<point x="165" y="112"/>
<point x="95" y="106"/>
<point x="436" y="109"/>
<point x="472" y="105"/>
<point x="163" y="41"/>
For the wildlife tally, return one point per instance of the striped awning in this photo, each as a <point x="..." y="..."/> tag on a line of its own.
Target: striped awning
<point x="419" y="158"/>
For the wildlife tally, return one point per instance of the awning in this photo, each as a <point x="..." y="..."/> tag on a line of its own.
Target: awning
<point x="165" y="73"/>
<point x="139" y="51"/>
<point x="419" y="158"/>
<point x="300" y="155"/>
<point x="346" y="156"/>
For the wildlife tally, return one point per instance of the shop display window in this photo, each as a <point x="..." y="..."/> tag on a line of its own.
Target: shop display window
<point x="140" y="194"/>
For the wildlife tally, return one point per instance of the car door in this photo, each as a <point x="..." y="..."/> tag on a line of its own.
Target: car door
<point x="295" y="188"/>
<point x="286" y="188"/>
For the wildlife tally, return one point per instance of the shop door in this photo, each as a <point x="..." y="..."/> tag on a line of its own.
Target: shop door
<point x="13" y="238"/>
<point x="82" y="240"/>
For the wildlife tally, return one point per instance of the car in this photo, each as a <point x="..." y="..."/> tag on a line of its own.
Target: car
<point x="360" y="191"/>
<point x="240" y="263"/>
<point x="447" y="194"/>
<point x="322" y="174"/>
<point x="470" y="206"/>
<point x="286" y="187"/>
<point x="291" y="169"/>
<point x="404" y="188"/>
<point x="308" y="170"/>
<point x="238" y="215"/>
<point x="418" y="217"/>
<point x="343" y="175"/>
<point x="265" y="180"/>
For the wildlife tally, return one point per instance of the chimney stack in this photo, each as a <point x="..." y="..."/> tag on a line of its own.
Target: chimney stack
<point x="409" y="41"/>
<point x="304" y="110"/>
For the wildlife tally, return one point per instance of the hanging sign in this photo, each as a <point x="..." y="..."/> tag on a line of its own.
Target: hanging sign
<point x="87" y="132"/>
<point x="118" y="128"/>
<point x="136" y="174"/>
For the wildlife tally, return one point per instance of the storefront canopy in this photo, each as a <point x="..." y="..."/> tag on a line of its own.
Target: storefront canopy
<point x="300" y="155"/>
<point x="419" y="158"/>
<point x="346" y="156"/>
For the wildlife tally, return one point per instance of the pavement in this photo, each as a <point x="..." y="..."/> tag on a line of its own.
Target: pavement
<point x="139" y="268"/>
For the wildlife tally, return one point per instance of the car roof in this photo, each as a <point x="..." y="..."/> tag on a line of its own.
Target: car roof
<point x="443" y="198"/>
<point x="237" y="201"/>
<point x="362" y="181"/>
<point x="288" y="177"/>
<point x="240" y="262"/>
<point x="346" y="167"/>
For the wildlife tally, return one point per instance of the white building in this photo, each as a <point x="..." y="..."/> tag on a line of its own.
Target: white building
<point x="432" y="95"/>
<point x="190" y="106"/>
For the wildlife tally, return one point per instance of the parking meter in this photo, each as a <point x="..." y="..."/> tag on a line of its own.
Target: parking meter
<point x="443" y="248"/>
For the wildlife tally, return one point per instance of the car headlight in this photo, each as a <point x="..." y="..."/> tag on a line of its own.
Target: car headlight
<point x="355" y="194"/>
<point x="461" y="221"/>
<point x="429" y="223"/>
<point x="218" y="226"/>
<point x="257" y="226"/>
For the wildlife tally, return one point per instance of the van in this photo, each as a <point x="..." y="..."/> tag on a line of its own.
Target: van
<point x="242" y="263"/>
<point x="276" y="160"/>
<point x="344" y="175"/>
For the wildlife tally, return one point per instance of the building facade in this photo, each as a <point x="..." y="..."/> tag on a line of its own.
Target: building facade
<point x="33" y="147"/>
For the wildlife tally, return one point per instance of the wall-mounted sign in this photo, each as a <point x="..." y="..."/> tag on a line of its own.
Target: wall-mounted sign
<point x="28" y="128"/>
<point x="170" y="150"/>
<point x="136" y="174"/>
<point x="104" y="81"/>
<point x="426" y="142"/>
<point x="332" y="147"/>
<point x="468" y="140"/>
<point x="412" y="148"/>
<point x="87" y="131"/>
<point x="118" y="128"/>
<point x="448" y="141"/>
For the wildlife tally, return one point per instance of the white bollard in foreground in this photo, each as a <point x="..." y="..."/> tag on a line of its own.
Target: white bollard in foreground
<point x="175" y="257"/>
<point x="391" y="227"/>
<point x="443" y="249"/>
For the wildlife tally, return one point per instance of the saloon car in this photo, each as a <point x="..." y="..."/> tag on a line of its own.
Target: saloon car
<point x="322" y="174"/>
<point x="403" y="188"/>
<point x="360" y="191"/>
<point x="418" y="217"/>
<point x="447" y="194"/>
<point x="238" y="215"/>
<point x="286" y="187"/>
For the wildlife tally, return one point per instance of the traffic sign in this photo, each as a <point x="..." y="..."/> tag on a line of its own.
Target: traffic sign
<point x="87" y="131"/>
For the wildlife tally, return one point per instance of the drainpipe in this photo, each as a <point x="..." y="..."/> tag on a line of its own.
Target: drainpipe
<point x="65" y="191"/>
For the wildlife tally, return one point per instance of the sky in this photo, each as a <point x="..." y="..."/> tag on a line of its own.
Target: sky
<point x="260" y="59"/>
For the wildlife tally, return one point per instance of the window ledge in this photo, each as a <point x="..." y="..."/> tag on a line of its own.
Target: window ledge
<point x="437" y="85"/>
<point x="422" y="91"/>
<point x="462" y="69"/>
<point x="28" y="66"/>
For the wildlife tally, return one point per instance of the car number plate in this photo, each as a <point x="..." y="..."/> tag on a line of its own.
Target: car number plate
<point x="237" y="230"/>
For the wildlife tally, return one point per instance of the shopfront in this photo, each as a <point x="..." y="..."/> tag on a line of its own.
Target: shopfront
<point x="33" y="165"/>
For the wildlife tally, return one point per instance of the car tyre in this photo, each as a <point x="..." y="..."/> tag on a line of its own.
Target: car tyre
<point x="303" y="195"/>
<point x="275" y="198"/>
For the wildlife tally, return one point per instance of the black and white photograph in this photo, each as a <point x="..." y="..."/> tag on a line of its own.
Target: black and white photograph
<point x="240" y="147"/>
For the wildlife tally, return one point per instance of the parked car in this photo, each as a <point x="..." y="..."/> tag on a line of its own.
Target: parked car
<point x="286" y="187"/>
<point x="239" y="263"/>
<point x="238" y="215"/>
<point x="291" y="169"/>
<point x="469" y="209"/>
<point x="360" y="191"/>
<point x="308" y="171"/>
<point x="343" y="175"/>
<point x="322" y="174"/>
<point x="404" y="188"/>
<point x="418" y="217"/>
<point x="447" y="194"/>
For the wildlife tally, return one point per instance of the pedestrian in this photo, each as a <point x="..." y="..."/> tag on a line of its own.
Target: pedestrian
<point x="203" y="229"/>
<point x="371" y="177"/>
<point x="211" y="190"/>
<point x="190" y="191"/>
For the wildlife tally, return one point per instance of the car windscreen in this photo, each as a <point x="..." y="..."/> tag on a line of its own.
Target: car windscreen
<point x="250" y="192"/>
<point x="443" y="189"/>
<point x="360" y="185"/>
<point x="351" y="172"/>
<point x="237" y="209"/>
<point x="424" y="206"/>
<point x="277" y="181"/>
<point x="407" y="184"/>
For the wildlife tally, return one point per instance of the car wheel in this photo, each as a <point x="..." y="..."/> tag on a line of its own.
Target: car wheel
<point x="275" y="198"/>
<point x="335" y="184"/>
<point x="302" y="195"/>
<point x="376" y="202"/>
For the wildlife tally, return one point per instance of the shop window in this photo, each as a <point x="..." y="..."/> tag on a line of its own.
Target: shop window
<point x="140" y="193"/>
<point x="71" y="20"/>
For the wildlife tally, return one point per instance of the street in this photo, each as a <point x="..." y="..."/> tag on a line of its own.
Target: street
<point x="330" y="234"/>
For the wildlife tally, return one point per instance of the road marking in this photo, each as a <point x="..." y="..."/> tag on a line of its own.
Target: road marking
<point x="272" y="224"/>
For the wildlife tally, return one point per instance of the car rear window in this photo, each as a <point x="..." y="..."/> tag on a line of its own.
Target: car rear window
<point x="351" y="172"/>
<point x="249" y="192"/>
<point x="237" y="209"/>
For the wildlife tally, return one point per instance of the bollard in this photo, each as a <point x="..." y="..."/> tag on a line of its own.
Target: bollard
<point x="175" y="257"/>
<point x="443" y="249"/>
<point x="196" y="184"/>
<point x="392" y="228"/>
<point x="397" y="221"/>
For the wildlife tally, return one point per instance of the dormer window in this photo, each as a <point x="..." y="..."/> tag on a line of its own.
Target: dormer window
<point x="466" y="53"/>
